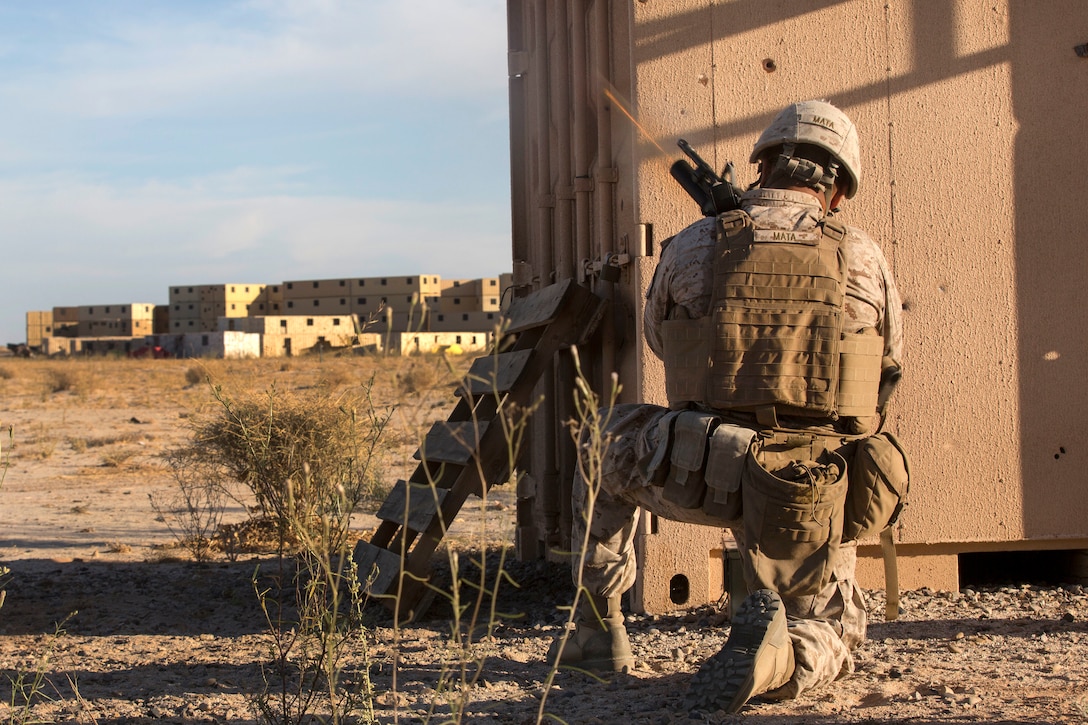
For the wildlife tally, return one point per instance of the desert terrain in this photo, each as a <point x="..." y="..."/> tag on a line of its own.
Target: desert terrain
<point x="116" y="622"/>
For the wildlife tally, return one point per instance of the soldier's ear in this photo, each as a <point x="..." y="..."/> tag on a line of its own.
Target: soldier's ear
<point x="838" y="196"/>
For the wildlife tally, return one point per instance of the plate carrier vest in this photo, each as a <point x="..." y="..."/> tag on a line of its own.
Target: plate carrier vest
<point x="773" y="342"/>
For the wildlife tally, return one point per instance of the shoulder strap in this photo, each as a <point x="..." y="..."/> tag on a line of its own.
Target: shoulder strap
<point x="732" y="222"/>
<point x="833" y="229"/>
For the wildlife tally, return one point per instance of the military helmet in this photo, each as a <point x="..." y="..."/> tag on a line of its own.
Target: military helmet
<point x="820" y="124"/>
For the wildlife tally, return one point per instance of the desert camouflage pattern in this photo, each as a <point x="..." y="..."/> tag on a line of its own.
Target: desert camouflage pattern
<point x="821" y="124"/>
<point x="825" y="628"/>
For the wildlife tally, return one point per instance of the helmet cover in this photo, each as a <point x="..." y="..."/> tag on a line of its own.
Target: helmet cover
<point x="821" y="124"/>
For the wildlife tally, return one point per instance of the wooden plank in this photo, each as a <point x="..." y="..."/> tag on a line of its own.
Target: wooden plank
<point x="540" y="307"/>
<point x="496" y="374"/>
<point x="412" y="505"/>
<point x="452" y="442"/>
<point x="380" y="567"/>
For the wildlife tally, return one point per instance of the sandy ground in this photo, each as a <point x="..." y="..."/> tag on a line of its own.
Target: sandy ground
<point x="150" y="636"/>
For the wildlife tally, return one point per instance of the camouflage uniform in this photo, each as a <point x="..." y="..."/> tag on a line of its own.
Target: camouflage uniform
<point x="825" y="628"/>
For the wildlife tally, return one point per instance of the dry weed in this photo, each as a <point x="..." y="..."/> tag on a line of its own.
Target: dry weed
<point x="194" y="376"/>
<point x="116" y="458"/>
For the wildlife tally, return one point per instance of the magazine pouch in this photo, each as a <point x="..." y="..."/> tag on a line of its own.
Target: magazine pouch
<point x="685" y="485"/>
<point x="725" y="464"/>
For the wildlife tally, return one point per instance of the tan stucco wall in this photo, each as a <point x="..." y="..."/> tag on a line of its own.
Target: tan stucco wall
<point x="970" y="116"/>
<point x="967" y="115"/>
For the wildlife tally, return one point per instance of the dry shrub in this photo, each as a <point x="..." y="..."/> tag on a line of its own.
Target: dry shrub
<point x="336" y="376"/>
<point x="194" y="376"/>
<point x="421" y="374"/>
<point x="116" y="458"/>
<point x="61" y="380"/>
<point x="6" y="373"/>
<point x="309" y="460"/>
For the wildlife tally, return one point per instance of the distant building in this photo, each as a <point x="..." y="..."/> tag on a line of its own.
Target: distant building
<point x="286" y="319"/>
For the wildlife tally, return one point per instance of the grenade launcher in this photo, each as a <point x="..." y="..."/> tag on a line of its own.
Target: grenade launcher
<point x="713" y="193"/>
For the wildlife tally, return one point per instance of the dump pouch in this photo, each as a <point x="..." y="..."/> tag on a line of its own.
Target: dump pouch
<point x="879" y="480"/>
<point x="684" y="485"/>
<point x="729" y="446"/>
<point x="793" y="520"/>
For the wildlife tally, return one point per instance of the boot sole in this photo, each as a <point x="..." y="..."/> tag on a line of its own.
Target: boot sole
<point x="726" y="681"/>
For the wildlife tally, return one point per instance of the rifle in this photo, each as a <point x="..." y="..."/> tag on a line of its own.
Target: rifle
<point x="713" y="193"/>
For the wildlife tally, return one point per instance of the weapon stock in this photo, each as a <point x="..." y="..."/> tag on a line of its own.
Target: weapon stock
<point x="713" y="193"/>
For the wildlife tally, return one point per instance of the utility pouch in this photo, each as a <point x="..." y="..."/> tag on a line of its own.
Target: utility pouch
<point x="653" y="467"/>
<point x="859" y="373"/>
<point x="793" y="517"/>
<point x="729" y="446"/>
<point x="879" y="480"/>
<point x="686" y="352"/>
<point x="685" y="485"/>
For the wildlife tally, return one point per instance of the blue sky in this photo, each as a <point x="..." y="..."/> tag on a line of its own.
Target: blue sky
<point x="150" y="143"/>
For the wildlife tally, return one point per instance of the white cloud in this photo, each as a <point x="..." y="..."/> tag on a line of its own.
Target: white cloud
<point x="75" y="242"/>
<point x="113" y="209"/>
<point x="273" y="50"/>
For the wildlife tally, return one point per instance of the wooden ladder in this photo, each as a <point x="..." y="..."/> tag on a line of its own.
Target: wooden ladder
<point x="469" y="452"/>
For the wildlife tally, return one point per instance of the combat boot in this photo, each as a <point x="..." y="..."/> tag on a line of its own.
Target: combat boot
<point x="598" y="642"/>
<point x="757" y="657"/>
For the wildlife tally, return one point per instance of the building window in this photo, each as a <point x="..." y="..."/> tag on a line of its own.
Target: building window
<point x="247" y="288"/>
<point x="232" y="288"/>
<point x="290" y="285"/>
<point x="458" y="340"/>
<point x="343" y="302"/>
<point x="493" y="300"/>
<point x="309" y="322"/>
<point x="232" y="306"/>
<point x="362" y="283"/>
<point x="464" y="317"/>
<point x="441" y="318"/>
<point x="336" y="322"/>
<point x="384" y="282"/>
<point x="361" y="300"/>
<point x="343" y="283"/>
<point x="317" y="303"/>
<point x="408" y="280"/>
<point x="315" y="284"/>
<point x="283" y="324"/>
<point x="456" y="300"/>
<point x="204" y="340"/>
<point x="290" y="304"/>
<point x="492" y="282"/>
<point x="190" y="289"/>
